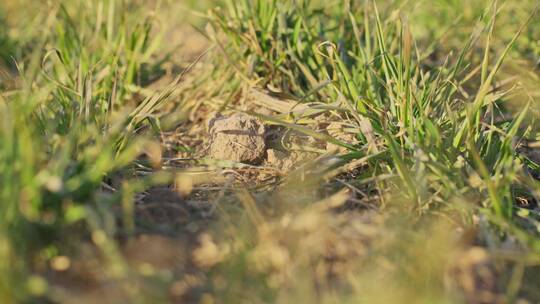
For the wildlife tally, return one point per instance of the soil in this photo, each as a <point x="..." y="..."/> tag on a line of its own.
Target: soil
<point x="287" y="161"/>
<point x="238" y="138"/>
<point x="339" y="132"/>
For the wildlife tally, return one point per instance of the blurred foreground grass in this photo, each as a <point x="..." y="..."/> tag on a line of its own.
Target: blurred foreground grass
<point x="443" y="96"/>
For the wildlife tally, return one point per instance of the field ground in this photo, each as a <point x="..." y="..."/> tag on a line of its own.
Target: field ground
<point x="266" y="151"/>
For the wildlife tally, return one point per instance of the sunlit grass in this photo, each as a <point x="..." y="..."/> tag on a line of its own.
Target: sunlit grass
<point x="442" y="96"/>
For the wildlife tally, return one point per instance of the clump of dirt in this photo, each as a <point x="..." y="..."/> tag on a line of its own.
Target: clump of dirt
<point x="278" y="159"/>
<point x="238" y="138"/>
<point x="337" y="130"/>
<point x="287" y="161"/>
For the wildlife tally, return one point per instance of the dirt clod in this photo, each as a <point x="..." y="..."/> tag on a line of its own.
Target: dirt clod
<point x="337" y="130"/>
<point x="287" y="161"/>
<point x="238" y="138"/>
<point x="278" y="159"/>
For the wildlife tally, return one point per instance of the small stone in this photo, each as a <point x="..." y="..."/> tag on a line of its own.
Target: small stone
<point x="238" y="138"/>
